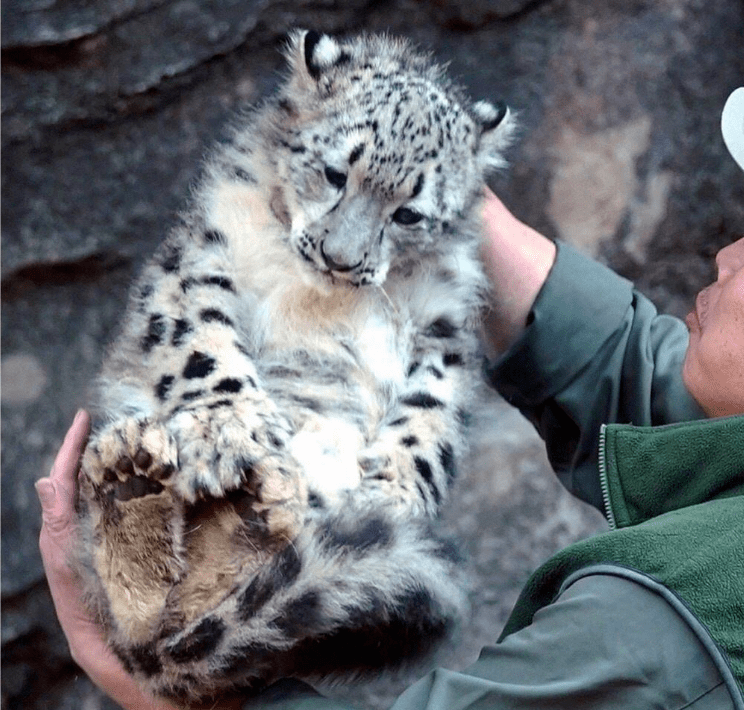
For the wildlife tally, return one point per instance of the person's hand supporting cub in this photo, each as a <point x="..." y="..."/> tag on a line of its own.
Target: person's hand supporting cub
<point x="84" y="636"/>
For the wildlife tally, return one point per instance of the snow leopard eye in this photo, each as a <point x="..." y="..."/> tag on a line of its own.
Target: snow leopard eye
<point x="335" y="177"/>
<point x="406" y="216"/>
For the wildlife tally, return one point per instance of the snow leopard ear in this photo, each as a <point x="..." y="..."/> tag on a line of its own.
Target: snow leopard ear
<point x="321" y="53"/>
<point x="497" y="126"/>
<point x="312" y="53"/>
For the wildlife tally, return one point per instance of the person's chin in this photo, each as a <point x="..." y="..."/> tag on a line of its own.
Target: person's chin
<point x="688" y="371"/>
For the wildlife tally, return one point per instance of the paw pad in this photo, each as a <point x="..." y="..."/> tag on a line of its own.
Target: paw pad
<point x="136" y="487"/>
<point x="143" y="459"/>
<point x="130" y="460"/>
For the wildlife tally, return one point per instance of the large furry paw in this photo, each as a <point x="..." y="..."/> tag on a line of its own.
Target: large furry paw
<point x="221" y="446"/>
<point x="240" y="446"/>
<point x="136" y="545"/>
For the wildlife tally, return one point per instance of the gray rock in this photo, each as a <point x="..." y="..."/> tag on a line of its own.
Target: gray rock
<point x="112" y="190"/>
<point x="98" y="74"/>
<point x="37" y="670"/>
<point x="64" y="325"/>
<point x="471" y="15"/>
<point x="39" y="22"/>
<point x="65" y="197"/>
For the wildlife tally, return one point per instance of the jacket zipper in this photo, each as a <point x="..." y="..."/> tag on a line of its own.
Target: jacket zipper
<point x="603" y="478"/>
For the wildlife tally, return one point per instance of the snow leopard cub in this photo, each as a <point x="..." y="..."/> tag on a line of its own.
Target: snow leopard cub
<point x="283" y="409"/>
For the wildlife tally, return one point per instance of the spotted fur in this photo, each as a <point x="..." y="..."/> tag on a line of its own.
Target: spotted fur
<point x="284" y="407"/>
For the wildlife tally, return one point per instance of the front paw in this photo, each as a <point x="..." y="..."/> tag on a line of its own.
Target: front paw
<point x="239" y="445"/>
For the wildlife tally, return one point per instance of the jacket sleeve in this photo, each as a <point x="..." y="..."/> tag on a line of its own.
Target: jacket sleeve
<point x="595" y="351"/>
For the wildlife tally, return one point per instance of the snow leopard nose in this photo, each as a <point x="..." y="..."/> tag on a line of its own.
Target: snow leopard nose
<point x="339" y="266"/>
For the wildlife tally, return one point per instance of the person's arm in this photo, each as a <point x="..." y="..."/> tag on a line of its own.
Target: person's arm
<point x="517" y="260"/>
<point x="85" y="638"/>
<point x="591" y="349"/>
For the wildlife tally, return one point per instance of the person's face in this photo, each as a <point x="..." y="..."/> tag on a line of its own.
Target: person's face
<point x="714" y="365"/>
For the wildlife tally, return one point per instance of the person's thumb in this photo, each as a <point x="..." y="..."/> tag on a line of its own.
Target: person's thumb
<point x="55" y="515"/>
<point x="47" y="494"/>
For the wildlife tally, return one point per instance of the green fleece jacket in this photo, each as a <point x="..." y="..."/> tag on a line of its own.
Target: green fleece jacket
<point x="624" y="435"/>
<point x="675" y="500"/>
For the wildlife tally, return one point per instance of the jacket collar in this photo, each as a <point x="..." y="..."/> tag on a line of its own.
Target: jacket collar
<point x="648" y="471"/>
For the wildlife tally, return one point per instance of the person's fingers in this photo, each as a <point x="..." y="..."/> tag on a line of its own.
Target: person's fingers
<point x="57" y="492"/>
<point x="68" y="459"/>
<point x="57" y="495"/>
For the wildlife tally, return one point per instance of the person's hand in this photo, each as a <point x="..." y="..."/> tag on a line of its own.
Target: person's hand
<point x="84" y="636"/>
<point x="517" y="260"/>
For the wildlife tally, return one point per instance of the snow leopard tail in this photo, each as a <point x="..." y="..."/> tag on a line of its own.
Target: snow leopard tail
<point x="352" y="595"/>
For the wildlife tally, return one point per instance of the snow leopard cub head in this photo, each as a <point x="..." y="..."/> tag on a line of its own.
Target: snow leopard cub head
<point x="379" y="156"/>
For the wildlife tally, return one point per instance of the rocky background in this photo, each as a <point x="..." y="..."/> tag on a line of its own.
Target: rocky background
<point x="108" y="106"/>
